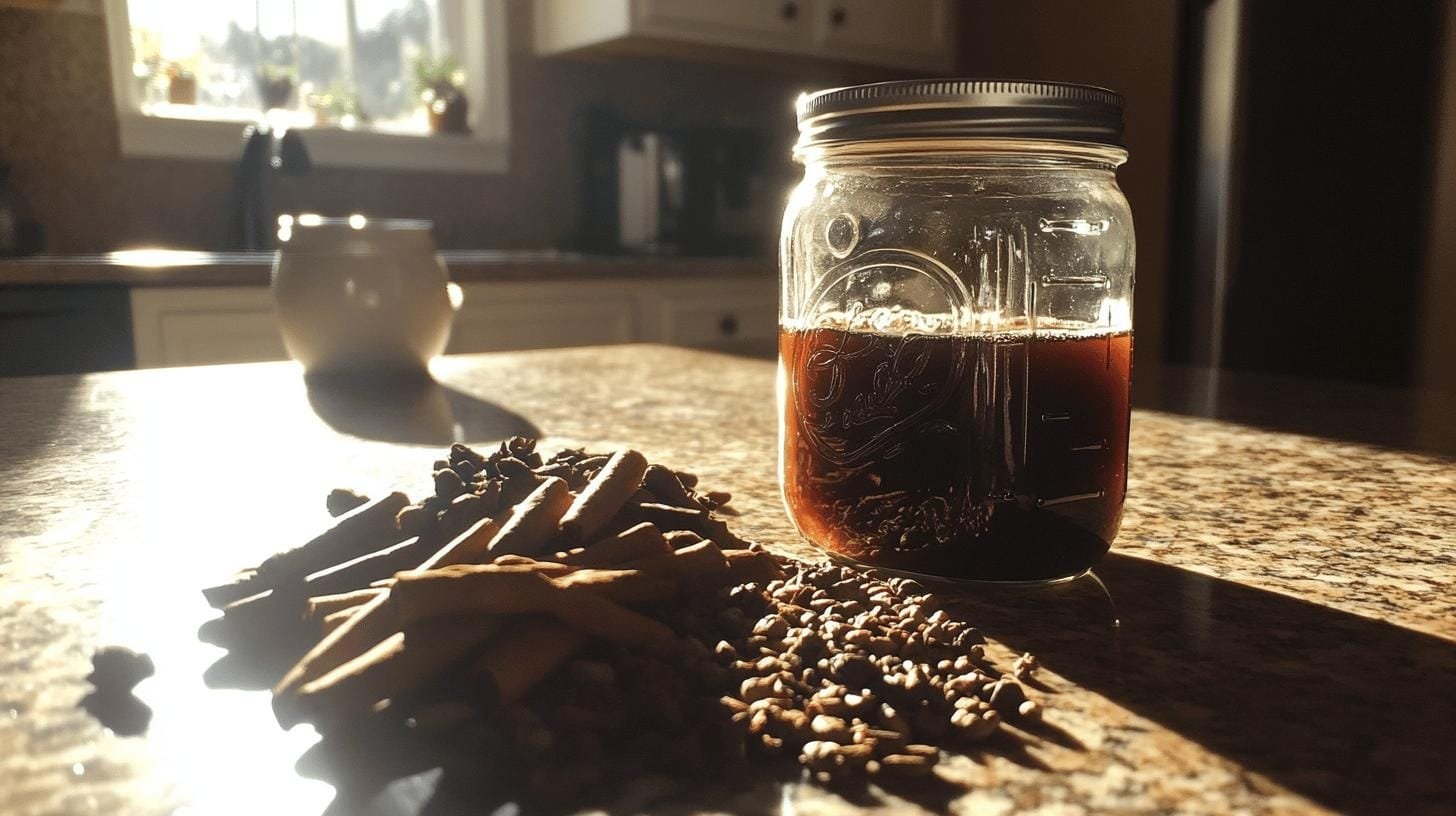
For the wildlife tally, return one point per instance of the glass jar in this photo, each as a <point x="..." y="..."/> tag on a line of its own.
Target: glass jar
<point x="955" y="328"/>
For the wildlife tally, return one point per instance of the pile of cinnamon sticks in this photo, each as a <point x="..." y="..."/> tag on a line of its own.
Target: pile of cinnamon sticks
<point x="490" y="584"/>
<point x="531" y="612"/>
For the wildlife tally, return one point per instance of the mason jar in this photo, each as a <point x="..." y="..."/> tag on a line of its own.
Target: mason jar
<point x="955" y="328"/>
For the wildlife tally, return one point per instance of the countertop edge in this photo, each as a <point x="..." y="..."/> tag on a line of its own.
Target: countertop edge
<point x="255" y="269"/>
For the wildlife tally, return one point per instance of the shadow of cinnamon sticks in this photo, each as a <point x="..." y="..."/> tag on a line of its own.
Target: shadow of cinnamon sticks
<point x="384" y="768"/>
<point x="252" y="667"/>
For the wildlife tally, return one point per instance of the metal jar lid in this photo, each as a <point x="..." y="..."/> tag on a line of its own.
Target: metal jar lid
<point x="961" y="108"/>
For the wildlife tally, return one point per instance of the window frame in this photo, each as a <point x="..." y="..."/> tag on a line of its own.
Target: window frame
<point x="484" y="150"/>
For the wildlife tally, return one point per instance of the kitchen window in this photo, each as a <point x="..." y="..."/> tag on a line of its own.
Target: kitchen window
<point x="403" y="84"/>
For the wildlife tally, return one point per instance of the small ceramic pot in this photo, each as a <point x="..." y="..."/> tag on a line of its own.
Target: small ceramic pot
<point x="361" y="296"/>
<point x="182" y="90"/>
<point x="448" y="111"/>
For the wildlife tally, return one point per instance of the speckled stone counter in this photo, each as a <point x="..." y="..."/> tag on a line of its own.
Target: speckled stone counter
<point x="1287" y="605"/>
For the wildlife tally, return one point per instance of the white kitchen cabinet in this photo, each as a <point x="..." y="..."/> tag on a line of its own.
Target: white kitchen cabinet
<point x="904" y="33"/>
<point x="755" y="24"/>
<point x="206" y="325"/>
<point x="571" y="25"/>
<point x="913" y="34"/>
<point x="502" y="316"/>
<point x="174" y="326"/>
<point x="730" y="314"/>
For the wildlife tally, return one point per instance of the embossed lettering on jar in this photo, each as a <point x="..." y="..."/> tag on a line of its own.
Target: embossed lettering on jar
<point x="956" y="328"/>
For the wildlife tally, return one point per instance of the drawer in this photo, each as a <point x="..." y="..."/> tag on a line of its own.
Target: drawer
<point x="718" y="315"/>
<point x="204" y="326"/>
<point x="499" y="317"/>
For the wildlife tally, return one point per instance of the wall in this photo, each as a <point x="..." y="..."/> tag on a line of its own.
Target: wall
<point x="1436" y="371"/>
<point x="1334" y="168"/>
<point x="58" y="129"/>
<point x="1130" y="46"/>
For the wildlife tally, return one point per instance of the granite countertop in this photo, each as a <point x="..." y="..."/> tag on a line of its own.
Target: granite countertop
<point x="1287" y="604"/>
<point x="150" y="267"/>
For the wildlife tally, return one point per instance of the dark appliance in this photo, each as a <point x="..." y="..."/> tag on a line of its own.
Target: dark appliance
<point x="670" y="190"/>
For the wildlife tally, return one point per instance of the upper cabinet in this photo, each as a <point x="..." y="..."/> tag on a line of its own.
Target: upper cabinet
<point x="776" y="25"/>
<point x="904" y="34"/>
<point x="913" y="34"/>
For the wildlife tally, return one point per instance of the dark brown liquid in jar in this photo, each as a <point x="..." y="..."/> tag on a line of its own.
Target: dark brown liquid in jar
<point x="988" y="457"/>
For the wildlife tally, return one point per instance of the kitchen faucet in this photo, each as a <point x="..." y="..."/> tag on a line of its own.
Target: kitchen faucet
<point x="264" y="147"/>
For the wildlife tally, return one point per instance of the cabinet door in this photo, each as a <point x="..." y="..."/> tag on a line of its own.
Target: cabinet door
<point x="204" y="326"/>
<point x="778" y="25"/>
<point x="907" y="33"/>
<point x="64" y="330"/>
<point x="731" y="315"/>
<point x="499" y="317"/>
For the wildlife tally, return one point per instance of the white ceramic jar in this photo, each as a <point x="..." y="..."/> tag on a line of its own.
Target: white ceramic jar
<point x="360" y="296"/>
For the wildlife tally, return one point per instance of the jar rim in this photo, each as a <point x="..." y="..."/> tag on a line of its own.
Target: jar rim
<point x="1004" y="109"/>
<point x="962" y="151"/>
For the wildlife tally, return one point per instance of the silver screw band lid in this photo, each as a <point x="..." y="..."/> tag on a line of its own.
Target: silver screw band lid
<point x="961" y="108"/>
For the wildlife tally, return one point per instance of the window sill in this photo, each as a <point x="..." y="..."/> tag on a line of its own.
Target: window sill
<point x="164" y="137"/>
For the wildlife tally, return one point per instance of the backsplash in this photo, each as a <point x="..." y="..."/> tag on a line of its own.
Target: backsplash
<point x="59" y="132"/>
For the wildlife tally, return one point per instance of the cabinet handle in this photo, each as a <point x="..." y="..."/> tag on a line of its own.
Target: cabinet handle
<point x="789" y="10"/>
<point x="728" y="326"/>
<point x="838" y="17"/>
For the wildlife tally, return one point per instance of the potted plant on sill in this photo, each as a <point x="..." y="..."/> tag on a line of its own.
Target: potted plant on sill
<point x="440" y="85"/>
<point x="337" y="105"/>
<point x="275" y="84"/>
<point x="148" y="70"/>
<point x="181" y="84"/>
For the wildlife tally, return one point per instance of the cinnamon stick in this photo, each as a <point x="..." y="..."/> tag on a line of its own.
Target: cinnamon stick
<point x="361" y="530"/>
<point x="504" y="565"/>
<point x="328" y="623"/>
<point x="370" y="623"/>
<point x="529" y="652"/>
<point x="587" y="612"/>
<point x="524" y="655"/>
<point x="483" y="591"/>
<point x="532" y="523"/>
<point x="669" y="518"/>
<point x="630" y="587"/>
<point x="678" y="539"/>
<point x="399" y="664"/>
<point x="322" y="605"/>
<point x="492" y="590"/>
<point x="701" y="559"/>
<point x="358" y="531"/>
<point x="603" y="496"/>
<point x="467" y="548"/>
<point x="640" y="541"/>
<point x="512" y="564"/>
<point x="402" y="662"/>
<point x="359" y="572"/>
<point x="287" y="604"/>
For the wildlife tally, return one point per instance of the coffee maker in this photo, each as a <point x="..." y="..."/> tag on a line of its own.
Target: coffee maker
<point x="654" y="189"/>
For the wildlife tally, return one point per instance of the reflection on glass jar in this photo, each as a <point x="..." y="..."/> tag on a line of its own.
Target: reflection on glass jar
<point x="956" y="328"/>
